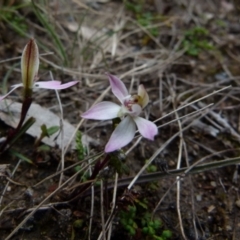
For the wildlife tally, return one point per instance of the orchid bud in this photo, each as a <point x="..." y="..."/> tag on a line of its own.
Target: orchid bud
<point x="29" y="68"/>
<point x="29" y="65"/>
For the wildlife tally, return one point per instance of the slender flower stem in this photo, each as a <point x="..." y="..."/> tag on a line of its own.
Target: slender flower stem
<point x="12" y="133"/>
<point x="97" y="168"/>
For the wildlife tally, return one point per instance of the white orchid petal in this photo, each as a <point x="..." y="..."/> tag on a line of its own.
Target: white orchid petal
<point x="118" y="87"/>
<point x="102" y="111"/>
<point x="122" y="135"/>
<point x="146" y="128"/>
<point x="57" y="85"/>
<point x="144" y="96"/>
<point x="14" y="88"/>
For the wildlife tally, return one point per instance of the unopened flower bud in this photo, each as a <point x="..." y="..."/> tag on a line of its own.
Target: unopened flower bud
<point x="29" y="64"/>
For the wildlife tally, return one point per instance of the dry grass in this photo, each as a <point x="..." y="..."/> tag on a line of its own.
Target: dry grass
<point x="194" y="101"/>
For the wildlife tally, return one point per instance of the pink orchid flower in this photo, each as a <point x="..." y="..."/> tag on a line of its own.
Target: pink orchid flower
<point x="131" y="107"/>
<point x="29" y="69"/>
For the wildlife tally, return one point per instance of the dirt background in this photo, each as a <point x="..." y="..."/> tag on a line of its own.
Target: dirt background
<point x="185" y="53"/>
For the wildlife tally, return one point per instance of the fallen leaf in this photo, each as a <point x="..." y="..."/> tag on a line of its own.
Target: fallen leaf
<point x="10" y="115"/>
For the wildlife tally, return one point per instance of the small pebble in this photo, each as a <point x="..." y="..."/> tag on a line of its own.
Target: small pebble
<point x="213" y="184"/>
<point x="199" y="197"/>
<point x="171" y="163"/>
<point x="211" y="208"/>
<point x="229" y="228"/>
<point x="238" y="203"/>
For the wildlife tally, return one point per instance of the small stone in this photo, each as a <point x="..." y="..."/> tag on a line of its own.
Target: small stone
<point x="202" y="68"/>
<point x="229" y="228"/>
<point x="199" y="197"/>
<point x="238" y="203"/>
<point x="171" y="163"/>
<point x="204" y="177"/>
<point x="213" y="184"/>
<point x="211" y="208"/>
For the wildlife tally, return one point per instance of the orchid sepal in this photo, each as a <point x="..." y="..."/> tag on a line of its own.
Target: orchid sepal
<point x="122" y="135"/>
<point x="102" y="111"/>
<point x="146" y="128"/>
<point x="118" y="87"/>
<point x="55" y="85"/>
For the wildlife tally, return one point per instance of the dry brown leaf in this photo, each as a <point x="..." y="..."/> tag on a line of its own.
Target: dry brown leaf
<point x="10" y="113"/>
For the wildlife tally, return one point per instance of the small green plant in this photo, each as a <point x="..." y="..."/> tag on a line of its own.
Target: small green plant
<point x="136" y="219"/>
<point x="127" y="219"/>
<point x="46" y="132"/>
<point x="45" y="21"/>
<point x="81" y="154"/>
<point x="144" y="18"/>
<point x="153" y="185"/>
<point x="81" y="150"/>
<point x="196" y="40"/>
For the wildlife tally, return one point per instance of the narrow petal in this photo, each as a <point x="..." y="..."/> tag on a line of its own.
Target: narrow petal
<point x="122" y="135"/>
<point x="57" y="85"/>
<point x="14" y="88"/>
<point x="144" y="96"/>
<point x="102" y="111"/>
<point x="29" y="64"/>
<point x="146" y="128"/>
<point x="118" y="87"/>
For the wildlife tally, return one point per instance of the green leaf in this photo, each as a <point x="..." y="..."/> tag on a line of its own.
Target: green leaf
<point x="23" y="129"/>
<point x="81" y="150"/>
<point x="44" y="131"/>
<point x="166" y="234"/>
<point x="157" y="224"/>
<point x="19" y="155"/>
<point x="52" y="130"/>
<point x="52" y="33"/>
<point x="44" y="148"/>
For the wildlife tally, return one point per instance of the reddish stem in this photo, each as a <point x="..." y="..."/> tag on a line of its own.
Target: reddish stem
<point x="25" y="107"/>
<point x="97" y="168"/>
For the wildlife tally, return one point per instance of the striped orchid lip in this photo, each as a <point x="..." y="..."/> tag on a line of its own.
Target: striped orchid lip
<point x="129" y="111"/>
<point x="29" y="70"/>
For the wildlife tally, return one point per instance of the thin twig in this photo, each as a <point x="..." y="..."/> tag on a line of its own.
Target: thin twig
<point x="61" y="133"/>
<point x="102" y="211"/>
<point x="110" y="219"/>
<point x="173" y="97"/>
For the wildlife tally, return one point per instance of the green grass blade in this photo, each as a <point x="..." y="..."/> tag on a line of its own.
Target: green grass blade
<point x="51" y="32"/>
